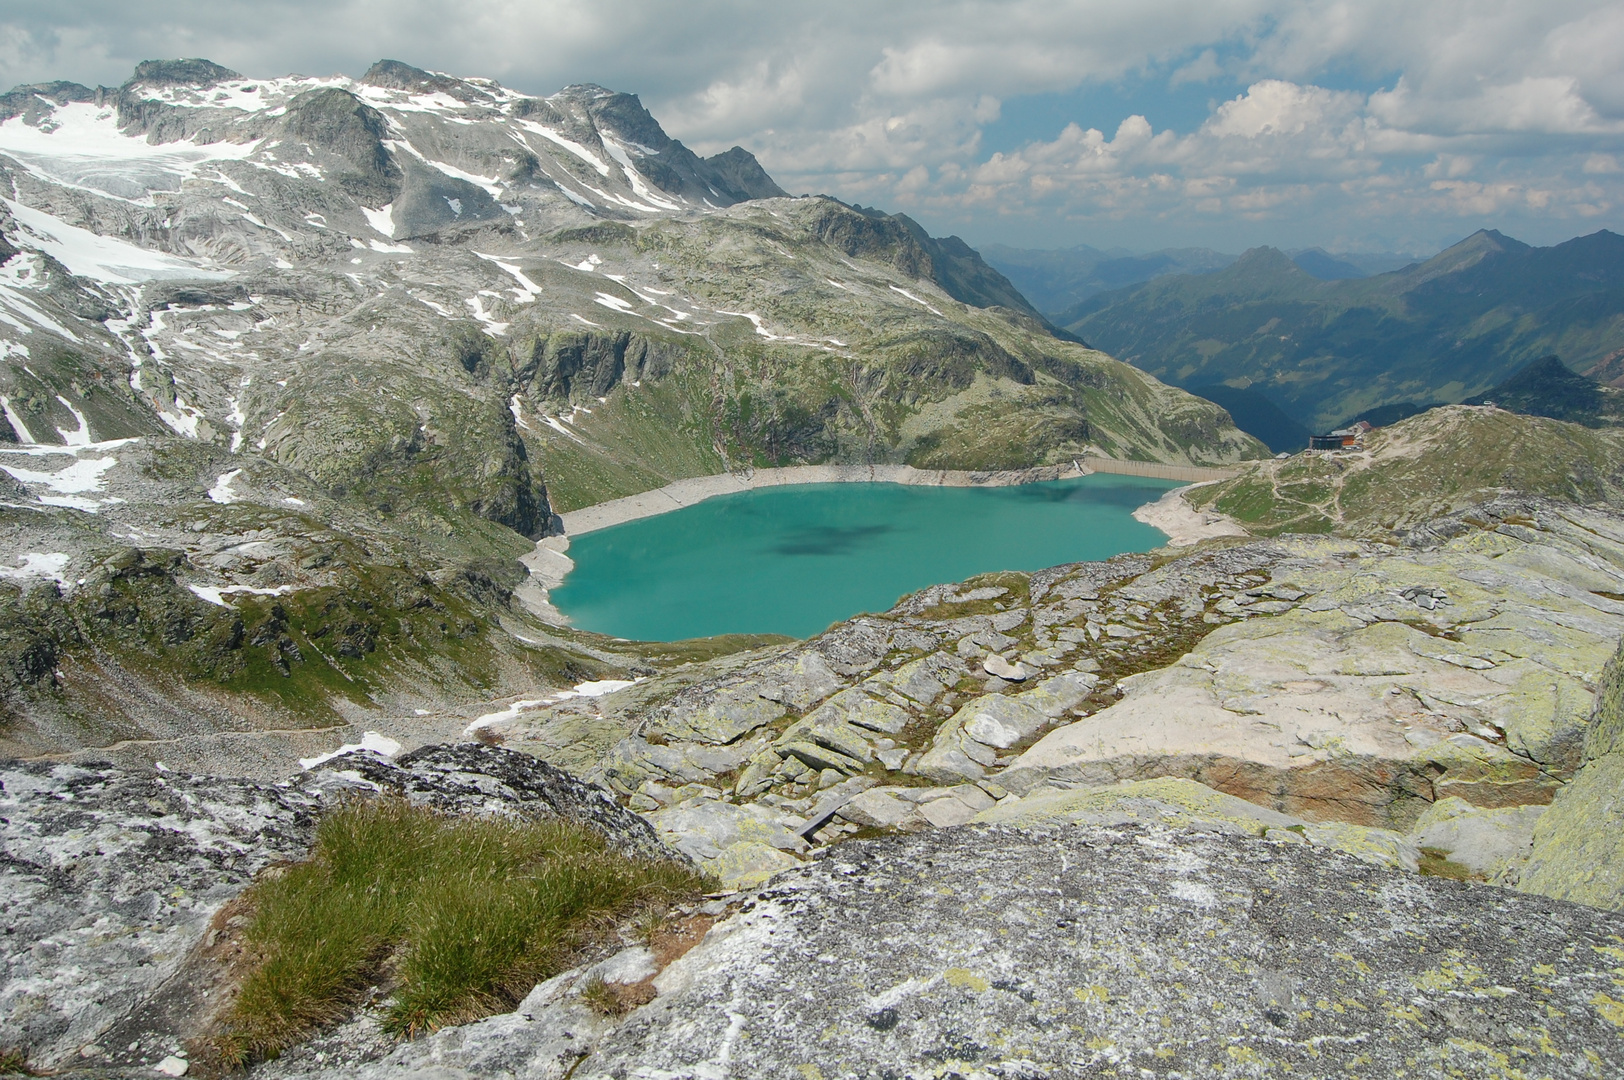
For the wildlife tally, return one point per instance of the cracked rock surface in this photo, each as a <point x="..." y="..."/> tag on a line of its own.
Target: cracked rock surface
<point x="1096" y="951"/>
<point x="109" y="878"/>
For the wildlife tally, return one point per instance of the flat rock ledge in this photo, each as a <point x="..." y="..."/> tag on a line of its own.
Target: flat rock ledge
<point x="1090" y="951"/>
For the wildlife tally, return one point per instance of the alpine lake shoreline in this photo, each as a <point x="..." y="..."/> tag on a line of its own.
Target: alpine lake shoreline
<point x="549" y="563"/>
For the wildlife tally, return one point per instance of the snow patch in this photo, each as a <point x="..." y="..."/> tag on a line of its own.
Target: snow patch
<point x="101" y="258"/>
<point x="27" y="309"/>
<point x="594" y="689"/>
<point x="573" y="147"/>
<point x="578" y="200"/>
<point x="382" y="220"/>
<point x="216" y="594"/>
<point x="370" y="740"/>
<point x="527" y="291"/>
<point x="81" y="146"/>
<point x="477" y="306"/>
<point x="755" y="320"/>
<point x="916" y="300"/>
<point x="81" y="437"/>
<point x="38" y="564"/>
<point x="85" y="474"/>
<point x="635" y="178"/>
<point x="17" y="425"/>
<point x="221" y="492"/>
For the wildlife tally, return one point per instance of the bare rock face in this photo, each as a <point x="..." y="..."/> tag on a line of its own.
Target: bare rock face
<point x="1001" y="953"/>
<point x="108" y="879"/>
<point x="1093" y="951"/>
<point x="468" y="778"/>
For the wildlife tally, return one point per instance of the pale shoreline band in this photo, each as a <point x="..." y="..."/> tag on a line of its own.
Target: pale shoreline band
<point x="681" y="493"/>
<point x="548" y="565"/>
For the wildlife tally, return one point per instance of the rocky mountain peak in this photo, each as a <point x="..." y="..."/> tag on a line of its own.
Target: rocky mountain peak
<point x="394" y="75"/>
<point x="196" y="72"/>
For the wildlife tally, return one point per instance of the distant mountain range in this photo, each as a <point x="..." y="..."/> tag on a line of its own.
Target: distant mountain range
<point x="1055" y="281"/>
<point x="1325" y="351"/>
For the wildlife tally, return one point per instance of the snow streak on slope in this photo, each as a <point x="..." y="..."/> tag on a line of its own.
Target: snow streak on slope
<point x="82" y="147"/>
<point x="103" y="258"/>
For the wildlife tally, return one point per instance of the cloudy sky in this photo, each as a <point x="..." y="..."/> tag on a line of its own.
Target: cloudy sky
<point x="1358" y="126"/>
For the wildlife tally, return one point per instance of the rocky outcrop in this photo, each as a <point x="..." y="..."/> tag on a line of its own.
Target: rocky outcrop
<point x="468" y="778"/>
<point x="1578" y="844"/>
<point x="997" y="952"/>
<point x="108" y="880"/>
<point x="111" y="880"/>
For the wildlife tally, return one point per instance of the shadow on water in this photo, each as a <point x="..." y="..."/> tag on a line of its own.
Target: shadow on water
<point x="828" y="540"/>
<point x="1124" y="495"/>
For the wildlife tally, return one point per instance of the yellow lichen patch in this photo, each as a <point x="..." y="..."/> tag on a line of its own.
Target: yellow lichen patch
<point x="1245" y="1055"/>
<point x="810" y="1072"/>
<point x="1403" y="1013"/>
<point x="1611" y="1011"/>
<point x="1545" y="970"/>
<point x="1453" y="973"/>
<point x="965" y="979"/>
<point x="1090" y="993"/>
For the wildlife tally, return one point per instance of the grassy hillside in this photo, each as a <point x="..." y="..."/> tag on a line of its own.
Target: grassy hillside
<point x="1435" y="463"/>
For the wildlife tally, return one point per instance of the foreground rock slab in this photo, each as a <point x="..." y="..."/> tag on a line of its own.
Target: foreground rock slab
<point x="1096" y="951"/>
<point x="110" y="880"/>
<point x="107" y="880"/>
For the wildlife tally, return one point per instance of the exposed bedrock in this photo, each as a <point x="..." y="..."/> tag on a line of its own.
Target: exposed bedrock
<point x="109" y="879"/>
<point x="1128" y="950"/>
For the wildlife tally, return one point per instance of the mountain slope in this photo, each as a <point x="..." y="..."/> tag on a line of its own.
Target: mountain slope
<point x="1443" y="461"/>
<point x="1256" y="415"/>
<point x="1441" y="330"/>
<point x="1548" y="387"/>
<point x="293" y="371"/>
<point x="1058" y="280"/>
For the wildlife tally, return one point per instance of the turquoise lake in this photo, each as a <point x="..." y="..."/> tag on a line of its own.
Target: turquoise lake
<point x="792" y="560"/>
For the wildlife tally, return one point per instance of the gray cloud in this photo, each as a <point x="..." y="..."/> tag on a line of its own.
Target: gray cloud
<point x="1506" y="113"/>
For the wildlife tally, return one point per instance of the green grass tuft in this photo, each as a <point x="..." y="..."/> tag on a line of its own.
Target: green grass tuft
<point x="14" y="1062"/>
<point x="1435" y="862"/>
<point x="460" y="915"/>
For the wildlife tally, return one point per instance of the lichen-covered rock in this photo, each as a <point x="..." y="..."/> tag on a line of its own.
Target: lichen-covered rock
<point x="992" y="952"/>
<point x="1578" y="843"/>
<point x="468" y="778"/>
<point x="1494" y="844"/>
<point x="1171" y="800"/>
<point x="740" y="845"/>
<point x="1392" y="681"/>
<point x="910" y="809"/>
<point x="107" y="880"/>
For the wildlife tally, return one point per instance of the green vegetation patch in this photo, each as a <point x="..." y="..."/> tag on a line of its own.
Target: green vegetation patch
<point x="1435" y="862"/>
<point x="1437" y="463"/>
<point x="462" y="916"/>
